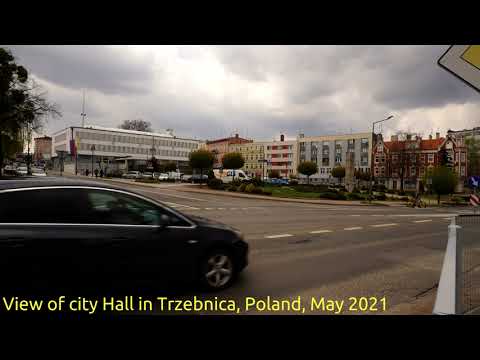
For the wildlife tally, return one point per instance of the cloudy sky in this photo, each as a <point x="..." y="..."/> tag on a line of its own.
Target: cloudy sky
<point x="257" y="91"/>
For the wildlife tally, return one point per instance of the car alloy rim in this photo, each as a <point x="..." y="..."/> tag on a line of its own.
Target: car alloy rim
<point x="219" y="270"/>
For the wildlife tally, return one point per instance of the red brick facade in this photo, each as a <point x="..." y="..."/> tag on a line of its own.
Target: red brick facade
<point x="396" y="162"/>
<point x="220" y="147"/>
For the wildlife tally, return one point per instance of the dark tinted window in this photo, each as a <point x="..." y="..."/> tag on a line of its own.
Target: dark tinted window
<point x="43" y="206"/>
<point x="109" y="207"/>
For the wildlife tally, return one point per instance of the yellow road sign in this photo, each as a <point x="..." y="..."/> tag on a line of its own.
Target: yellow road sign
<point x="472" y="55"/>
<point x="463" y="61"/>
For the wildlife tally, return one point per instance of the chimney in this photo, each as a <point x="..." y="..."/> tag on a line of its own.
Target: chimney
<point x="394" y="138"/>
<point x="282" y="137"/>
<point x="430" y="137"/>
<point x="236" y="136"/>
<point x="418" y="137"/>
<point x="437" y="135"/>
<point x="409" y="137"/>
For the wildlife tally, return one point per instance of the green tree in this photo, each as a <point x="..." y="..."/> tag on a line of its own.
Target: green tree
<point x="233" y="160"/>
<point x="274" y="174"/>
<point x="338" y="172"/>
<point x="170" y="167"/>
<point x="22" y="105"/>
<point x="473" y="156"/>
<point x="201" y="159"/>
<point x="442" y="180"/>
<point x="307" y="168"/>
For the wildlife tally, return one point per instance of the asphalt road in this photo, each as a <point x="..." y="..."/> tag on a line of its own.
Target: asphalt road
<point x="334" y="252"/>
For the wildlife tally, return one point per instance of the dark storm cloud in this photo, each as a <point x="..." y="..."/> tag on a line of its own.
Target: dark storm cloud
<point x="105" y="69"/>
<point x="400" y="77"/>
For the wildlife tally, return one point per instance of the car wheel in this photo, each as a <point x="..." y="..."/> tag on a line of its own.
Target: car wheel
<point x="217" y="270"/>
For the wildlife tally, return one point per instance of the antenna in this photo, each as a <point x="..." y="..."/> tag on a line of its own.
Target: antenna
<point x="83" y="109"/>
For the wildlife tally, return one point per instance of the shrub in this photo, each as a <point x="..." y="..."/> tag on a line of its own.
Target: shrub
<point x="311" y="188"/>
<point x="241" y="188"/>
<point x="294" y="182"/>
<point x="355" y="190"/>
<point x="332" y="195"/>
<point x="390" y="191"/>
<point x="379" y="188"/>
<point x="231" y="188"/>
<point x="257" y="190"/>
<point x="404" y="198"/>
<point x="381" y="197"/>
<point x="401" y="193"/>
<point x="236" y="182"/>
<point x="354" y="196"/>
<point x="249" y="188"/>
<point x="216" y="184"/>
<point x="266" y="192"/>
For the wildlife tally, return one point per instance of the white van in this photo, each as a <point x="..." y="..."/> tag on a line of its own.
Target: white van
<point x="228" y="175"/>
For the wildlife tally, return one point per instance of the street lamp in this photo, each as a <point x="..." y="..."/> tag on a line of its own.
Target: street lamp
<point x="93" y="151"/>
<point x="373" y="135"/>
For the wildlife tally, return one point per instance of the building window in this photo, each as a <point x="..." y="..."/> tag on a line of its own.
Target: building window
<point x="364" y="160"/>
<point x="413" y="171"/>
<point x="430" y="158"/>
<point x="322" y="170"/>
<point x="364" y="145"/>
<point x="462" y="157"/>
<point x="462" y="171"/>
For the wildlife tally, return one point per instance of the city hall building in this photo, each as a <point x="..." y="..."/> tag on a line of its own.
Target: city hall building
<point x="116" y="150"/>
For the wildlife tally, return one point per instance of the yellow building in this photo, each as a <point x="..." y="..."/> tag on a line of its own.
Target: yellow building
<point x="254" y="154"/>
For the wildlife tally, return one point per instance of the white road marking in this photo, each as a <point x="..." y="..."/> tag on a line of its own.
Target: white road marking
<point x="278" y="236"/>
<point x="175" y="205"/>
<point x="383" y="225"/>
<point x="355" y="215"/>
<point x="378" y="215"/>
<point x="233" y="208"/>
<point x="208" y="208"/>
<point x="221" y="208"/>
<point x="422" y="221"/>
<point x="320" y="231"/>
<point x="353" y="228"/>
<point x="179" y="196"/>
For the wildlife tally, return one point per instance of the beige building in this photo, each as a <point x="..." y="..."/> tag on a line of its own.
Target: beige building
<point x="331" y="150"/>
<point x="253" y="153"/>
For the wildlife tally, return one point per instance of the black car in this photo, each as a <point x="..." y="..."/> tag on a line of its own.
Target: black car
<point x="66" y="229"/>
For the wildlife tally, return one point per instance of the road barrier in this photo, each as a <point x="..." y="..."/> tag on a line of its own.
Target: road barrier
<point x="459" y="286"/>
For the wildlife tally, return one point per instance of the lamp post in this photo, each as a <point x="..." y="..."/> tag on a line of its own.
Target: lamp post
<point x="373" y="135"/>
<point x="93" y="152"/>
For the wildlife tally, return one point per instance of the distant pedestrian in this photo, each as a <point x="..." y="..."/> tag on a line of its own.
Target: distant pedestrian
<point x="87" y="172"/>
<point x="101" y="173"/>
<point x="96" y="173"/>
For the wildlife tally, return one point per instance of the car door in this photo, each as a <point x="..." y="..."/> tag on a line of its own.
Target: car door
<point x="148" y="240"/>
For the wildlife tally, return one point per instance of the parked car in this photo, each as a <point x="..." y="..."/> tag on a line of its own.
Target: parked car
<point x="93" y="231"/>
<point x="147" y="175"/>
<point x="22" y="171"/>
<point x="229" y="175"/>
<point x="278" y="181"/>
<point x="132" y="175"/>
<point x="36" y="171"/>
<point x="186" y="178"/>
<point x="163" y="177"/>
<point x="197" y="178"/>
<point x="9" y="170"/>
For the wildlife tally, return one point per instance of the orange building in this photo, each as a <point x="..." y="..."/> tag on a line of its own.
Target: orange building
<point x="42" y="148"/>
<point x="221" y="146"/>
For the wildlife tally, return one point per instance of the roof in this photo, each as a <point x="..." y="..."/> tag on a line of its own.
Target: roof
<point x="424" y="144"/>
<point x="50" y="181"/>
<point x="231" y="138"/>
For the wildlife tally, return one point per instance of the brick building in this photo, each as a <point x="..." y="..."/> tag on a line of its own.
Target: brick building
<point x="405" y="162"/>
<point x="220" y="147"/>
<point x="42" y="148"/>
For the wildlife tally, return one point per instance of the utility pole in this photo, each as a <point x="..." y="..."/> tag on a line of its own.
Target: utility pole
<point x="372" y="164"/>
<point x="93" y="151"/>
<point x="83" y="110"/>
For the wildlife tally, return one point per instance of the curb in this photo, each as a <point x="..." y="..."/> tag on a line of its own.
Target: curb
<point x="259" y="197"/>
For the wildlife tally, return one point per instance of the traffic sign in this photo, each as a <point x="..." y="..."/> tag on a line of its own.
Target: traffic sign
<point x="474" y="181"/>
<point x="474" y="200"/>
<point x="463" y="61"/>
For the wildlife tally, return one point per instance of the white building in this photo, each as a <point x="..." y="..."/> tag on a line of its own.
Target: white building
<point x="116" y="149"/>
<point x="331" y="150"/>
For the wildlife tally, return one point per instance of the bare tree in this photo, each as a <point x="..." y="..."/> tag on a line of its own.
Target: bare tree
<point x="136" y="124"/>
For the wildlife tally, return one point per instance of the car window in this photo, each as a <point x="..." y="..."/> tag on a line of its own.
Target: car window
<point x="108" y="207"/>
<point x="50" y="206"/>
